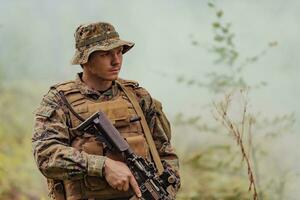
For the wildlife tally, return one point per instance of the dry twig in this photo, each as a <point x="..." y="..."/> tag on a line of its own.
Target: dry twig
<point x="222" y="109"/>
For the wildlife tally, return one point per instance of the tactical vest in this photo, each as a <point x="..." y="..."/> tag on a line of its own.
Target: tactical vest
<point x="119" y="110"/>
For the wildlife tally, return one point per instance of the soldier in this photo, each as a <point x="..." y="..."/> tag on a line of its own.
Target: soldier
<point x="79" y="166"/>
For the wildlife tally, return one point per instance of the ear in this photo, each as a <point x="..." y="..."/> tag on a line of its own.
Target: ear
<point x="87" y="67"/>
<point x="90" y="67"/>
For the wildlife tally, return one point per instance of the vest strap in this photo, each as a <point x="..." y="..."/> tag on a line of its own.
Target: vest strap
<point x="64" y="99"/>
<point x="145" y="127"/>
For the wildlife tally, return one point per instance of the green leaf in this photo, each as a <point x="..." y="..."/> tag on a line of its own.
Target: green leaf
<point x="191" y="82"/>
<point x="263" y="83"/>
<point x="180" y="79"/>
<point x="220" y="14"/>
<point x="210" y="4"/>
<point x="225" y="30"/>
<point x="219" y="38"/>
<point x="273" y="44"/>
<point x="216" y="24"/>
<point x="195" y="43"/>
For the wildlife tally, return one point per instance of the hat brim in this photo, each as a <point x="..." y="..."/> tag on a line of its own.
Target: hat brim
<point x="81" y="56"/>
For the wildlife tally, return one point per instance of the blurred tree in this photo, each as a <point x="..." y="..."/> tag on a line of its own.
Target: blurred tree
<point x="18" y="175"/>
<point x="212" y="164"/>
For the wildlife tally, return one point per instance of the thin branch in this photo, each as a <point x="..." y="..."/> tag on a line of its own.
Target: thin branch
<point x="222" y="115"/>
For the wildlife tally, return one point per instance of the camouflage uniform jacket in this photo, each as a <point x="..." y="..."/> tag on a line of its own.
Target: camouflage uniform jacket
<point x="51" y="140"/>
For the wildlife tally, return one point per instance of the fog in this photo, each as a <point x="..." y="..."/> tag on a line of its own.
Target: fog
<point x="37" y="44"/>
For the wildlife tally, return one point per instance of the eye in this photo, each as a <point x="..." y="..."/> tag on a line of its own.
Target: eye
<point x="104" y="53"/>
<point x="120" y="51"/>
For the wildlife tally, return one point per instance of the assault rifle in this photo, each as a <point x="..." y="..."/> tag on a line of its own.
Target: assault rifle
<point x="152" y="185"/>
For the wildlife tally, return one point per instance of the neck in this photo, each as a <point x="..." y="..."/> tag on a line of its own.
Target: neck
<point x="96" y="83"/>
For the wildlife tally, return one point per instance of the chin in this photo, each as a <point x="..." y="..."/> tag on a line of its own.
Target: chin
<point x="112" y="78"/>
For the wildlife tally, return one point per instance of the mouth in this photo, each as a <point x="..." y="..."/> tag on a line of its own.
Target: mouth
<point x="114" y="71"/>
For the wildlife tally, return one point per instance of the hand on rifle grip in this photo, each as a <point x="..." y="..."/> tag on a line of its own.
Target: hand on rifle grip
<point x="119" y="177"/>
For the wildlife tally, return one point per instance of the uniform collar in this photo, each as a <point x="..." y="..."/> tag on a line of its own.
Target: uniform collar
<point x="85" y="90"/>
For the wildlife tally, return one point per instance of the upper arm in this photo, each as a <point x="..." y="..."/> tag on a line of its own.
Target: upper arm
<point x="50" y="121"/>
<point x="156" y="118"/>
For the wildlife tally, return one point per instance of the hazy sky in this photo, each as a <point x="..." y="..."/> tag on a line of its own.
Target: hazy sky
<point x="38" y="43"/>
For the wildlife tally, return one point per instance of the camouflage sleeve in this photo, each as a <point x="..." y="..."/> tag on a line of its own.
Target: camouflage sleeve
<point x="160" y="128"/>
<point x="53" y="154"/>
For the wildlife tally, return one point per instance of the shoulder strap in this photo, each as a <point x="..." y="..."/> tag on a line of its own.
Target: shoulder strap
<point x="69" y="88"/>
<point x="64" y="99"/>
<point x="145" y="127"/>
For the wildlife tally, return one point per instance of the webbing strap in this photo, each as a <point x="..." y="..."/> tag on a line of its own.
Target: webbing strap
<point x="64" y="99"/>
<point x="145" y="127"/>
<point x="100" y="38"/>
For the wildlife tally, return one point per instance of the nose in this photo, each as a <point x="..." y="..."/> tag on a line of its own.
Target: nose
<point x="116" y="59"/>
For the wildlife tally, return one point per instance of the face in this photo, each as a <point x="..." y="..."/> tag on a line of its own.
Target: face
<point x="105" y="65"/>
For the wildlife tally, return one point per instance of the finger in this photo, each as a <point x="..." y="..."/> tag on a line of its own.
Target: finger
<point x="135" y="187"/>
<point x="111" y="185"/>
<point x="126" y="186"/>
<point x="119" y="187"/>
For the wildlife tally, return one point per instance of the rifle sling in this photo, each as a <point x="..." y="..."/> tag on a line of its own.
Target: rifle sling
<point x="145" y="127"/>
<point x="64" y="99"/>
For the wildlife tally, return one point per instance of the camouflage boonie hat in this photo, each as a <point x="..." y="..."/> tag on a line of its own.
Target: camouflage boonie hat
<point x="94" y="37"/>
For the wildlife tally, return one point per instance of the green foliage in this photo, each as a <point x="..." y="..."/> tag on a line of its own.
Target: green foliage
<point x="19" y="178"/>
<point x="1" y="77"/>
<point x="196" y="122"/>
<point x="214" y="175"/>
<point x="17" y="169"/>
<point x="212" y="163"/>
<point x="232" y="64"/>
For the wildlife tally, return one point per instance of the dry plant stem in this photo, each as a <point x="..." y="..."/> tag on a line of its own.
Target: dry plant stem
<point x="250" y="136"/>
<point x="244" y="112"/>
<point x="233" y="129"/>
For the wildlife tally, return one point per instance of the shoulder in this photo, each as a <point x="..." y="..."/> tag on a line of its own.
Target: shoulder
<point x="65" y="86"/>
<point x="135" y="86"/>
<point x="52" y="97"/>
<point x="128" y="83"/>
<point x="51" y="101"/>
<point x="142" y="95"/>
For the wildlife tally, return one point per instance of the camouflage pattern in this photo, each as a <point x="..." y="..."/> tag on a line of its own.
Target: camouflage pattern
<point x="94" y="37"/>
<point x="52" y="137"/>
